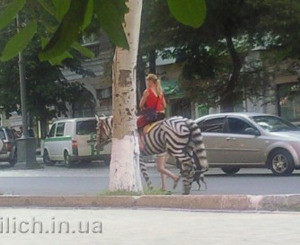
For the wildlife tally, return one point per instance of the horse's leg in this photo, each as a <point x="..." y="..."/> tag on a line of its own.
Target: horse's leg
<point x="187" y="171"/>
<point x="145" y="172"/>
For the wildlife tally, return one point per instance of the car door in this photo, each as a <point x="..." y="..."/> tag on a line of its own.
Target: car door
<point x="50" y="143"/>
<point x="213" y="136"/>
<point x="242" y="145"/>
<point x="86" y="137"/>
<point x="60" y="141"/>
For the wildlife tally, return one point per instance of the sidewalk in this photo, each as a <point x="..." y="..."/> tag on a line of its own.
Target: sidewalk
<point x="146" y="226"/>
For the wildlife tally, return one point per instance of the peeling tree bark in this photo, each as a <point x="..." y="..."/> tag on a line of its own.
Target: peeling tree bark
<point x="124" y="166"/>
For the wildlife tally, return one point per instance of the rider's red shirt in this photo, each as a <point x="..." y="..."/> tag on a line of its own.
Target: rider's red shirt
<point x="152" y="99"/>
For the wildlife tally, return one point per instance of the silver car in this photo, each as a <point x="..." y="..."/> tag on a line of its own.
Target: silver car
<point x="243" y="140"/>
<point x="8" y="148"/>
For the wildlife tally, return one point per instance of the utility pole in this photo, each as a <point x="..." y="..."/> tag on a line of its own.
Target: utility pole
<point x="26" y="146"/>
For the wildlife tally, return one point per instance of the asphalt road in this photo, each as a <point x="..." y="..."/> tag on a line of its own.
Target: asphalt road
<point x="93" y="179"/>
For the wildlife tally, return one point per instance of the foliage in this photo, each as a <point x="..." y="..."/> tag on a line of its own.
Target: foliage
<point x="19" y="41"/>
<point x="59" y="25"/>
<point x="156" y="191"/>
<point x="75" y="16"/>
<point x="48" y="91"/>
<point x="120" y="193"/>
<point x="281" y="23"/>
<point x="213" y="55"/>
<point x="191" y="13"/>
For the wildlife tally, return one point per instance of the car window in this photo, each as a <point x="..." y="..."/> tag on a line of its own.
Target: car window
<point x="69" y="128"/>
<point x="237" y="126"/>
<point x="60" y="129"/>
<point x="274" y="124"/>
<point x="10" y="134"/>
<point x="2" y="134"/>
<point x="52" y="130"/>
<point x="86" y="127"/>
<point x="212" y="125"/>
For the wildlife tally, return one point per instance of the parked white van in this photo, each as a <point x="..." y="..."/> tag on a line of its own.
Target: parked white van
<point x="73" y="140"/>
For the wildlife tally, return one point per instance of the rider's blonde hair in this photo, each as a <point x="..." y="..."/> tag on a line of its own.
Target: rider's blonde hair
<point x="152" y="77"/>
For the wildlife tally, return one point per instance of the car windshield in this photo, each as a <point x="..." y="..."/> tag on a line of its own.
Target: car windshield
<point x="274" y="124"/>
<point x="86" y="127"/>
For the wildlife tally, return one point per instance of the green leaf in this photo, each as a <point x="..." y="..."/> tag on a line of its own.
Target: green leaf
<point x="188" y="12"/>
<point x="111" y="16"/>
<point x="19" y="41"/>
<point x="67" y="31"/>
<point x="58" y="59"/>
<point x="49" y="7"/>
<point x="88" y="14"/>
<point x="83" y="50"/>
<point x="10" y="12"/>
<point x="62" y="7"/>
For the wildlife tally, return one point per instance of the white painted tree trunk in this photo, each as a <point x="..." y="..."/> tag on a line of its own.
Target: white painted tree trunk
<point x="124" y="166"/>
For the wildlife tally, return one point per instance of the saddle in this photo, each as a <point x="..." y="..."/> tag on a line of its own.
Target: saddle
<point x="143" y="131"/>
<point x="149" y="127"/>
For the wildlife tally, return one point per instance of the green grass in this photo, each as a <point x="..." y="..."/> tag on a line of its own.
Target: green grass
<point x="157" y="191"/>
<point x="154" y="191"/>
<point x="120" y="193"/>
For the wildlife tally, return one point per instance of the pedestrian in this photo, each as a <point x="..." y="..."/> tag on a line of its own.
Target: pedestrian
<point x="18" y="134"/>
<point x="153" y="97"/>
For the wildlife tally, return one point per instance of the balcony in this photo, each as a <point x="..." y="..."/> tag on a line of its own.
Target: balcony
<point x="102" y="54"/>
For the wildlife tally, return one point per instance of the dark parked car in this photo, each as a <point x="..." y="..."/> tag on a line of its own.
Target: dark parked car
<point x="243" y="140"/>
<point x="8" y="151"/>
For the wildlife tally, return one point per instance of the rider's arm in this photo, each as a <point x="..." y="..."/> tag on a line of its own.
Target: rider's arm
<point x="164" y="102"/>
<point x="144" y="99"/>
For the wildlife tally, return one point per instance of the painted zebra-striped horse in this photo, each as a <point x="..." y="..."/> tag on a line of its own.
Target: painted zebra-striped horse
<point x="179" y="137"/>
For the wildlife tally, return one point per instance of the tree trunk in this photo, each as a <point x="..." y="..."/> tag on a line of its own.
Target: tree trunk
<point x="152" y="61"/>
<point x="141" y="81"/>
<point x="228" y="98"/>
<point x="124" y="166"/>
<point x="44" y="124"/>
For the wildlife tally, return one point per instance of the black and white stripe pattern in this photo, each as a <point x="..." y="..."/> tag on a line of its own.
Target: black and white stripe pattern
<point x="179" y="137"/>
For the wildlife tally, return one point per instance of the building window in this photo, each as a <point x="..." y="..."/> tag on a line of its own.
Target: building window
<point x="85" y="105"/>
<point x="104" y="93"/>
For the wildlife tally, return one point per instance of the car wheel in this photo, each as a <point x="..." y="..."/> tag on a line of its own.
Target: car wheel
<point x="281" y="163"/>
<point x="68" y="161"/>
<point x="230" y="170"/>
<point x="46" y="159"/>
<point x="13" y="161"/>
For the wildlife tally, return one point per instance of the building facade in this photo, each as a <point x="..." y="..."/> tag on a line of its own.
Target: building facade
<point x="281" y="96"/>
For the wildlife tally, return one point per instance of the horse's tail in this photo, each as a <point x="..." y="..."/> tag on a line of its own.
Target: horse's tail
<point x="198" y="145"/>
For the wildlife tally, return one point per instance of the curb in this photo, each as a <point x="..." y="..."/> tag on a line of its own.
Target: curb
<point x="204" y="202"/>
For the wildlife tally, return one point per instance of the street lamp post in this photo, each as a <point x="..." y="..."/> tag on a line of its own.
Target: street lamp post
<point x="26" y="146"/>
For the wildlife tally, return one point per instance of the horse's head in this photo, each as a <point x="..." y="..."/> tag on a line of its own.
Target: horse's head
<point x="104" y="131"/>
